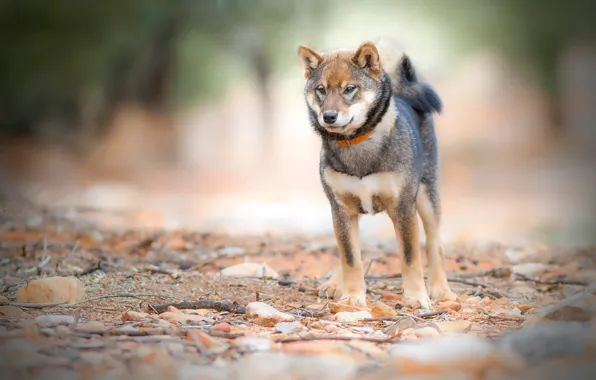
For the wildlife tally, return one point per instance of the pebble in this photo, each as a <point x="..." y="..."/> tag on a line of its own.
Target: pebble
<point x="223" y="327"/>
<point x="52" y="289"/>
<point x="251" y="343"/>
<point x="380" y="310"/>
<point x="265" y="365"/>
<point x="530" y="269"/>
<point x="548" y="340"/>
<point x="453" y="352"/>
<point x="134" y="316"/>
<point x="449" y="305"/>
<point x="288" y="327"/>
<point x="184" y="318"/>
<point x="12" y="312"/>
<point x="205" y="339"/>
<point x="458" y="326"/>
<point x="266" y="315"/>
<point x="54" y="320"/>
<point x="250" y="270"/>
<point x="399" y="326"/>
<point x="580" y="307"/>
<point x="348" y="317"/>
<point x="426" y="332"/>
<point x="91" y="327"/>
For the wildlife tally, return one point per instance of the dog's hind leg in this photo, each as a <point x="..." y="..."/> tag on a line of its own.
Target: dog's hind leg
<point x="429" y="208"/>
<point x="406" y="229"/>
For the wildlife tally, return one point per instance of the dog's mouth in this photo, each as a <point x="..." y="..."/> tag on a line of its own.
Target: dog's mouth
<point x="339" y="128"/>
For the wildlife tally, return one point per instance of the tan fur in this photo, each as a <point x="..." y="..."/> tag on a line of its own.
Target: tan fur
<point x="437" y="279"/>
<point x="413" y="274"/>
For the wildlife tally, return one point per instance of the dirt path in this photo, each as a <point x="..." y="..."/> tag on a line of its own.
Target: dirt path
<point x="117" y="329"/>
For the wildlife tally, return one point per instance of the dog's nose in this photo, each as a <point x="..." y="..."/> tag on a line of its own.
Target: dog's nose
<point x="329" y="117"/>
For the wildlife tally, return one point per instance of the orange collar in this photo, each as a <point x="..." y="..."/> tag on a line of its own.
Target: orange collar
<point x="355" y="140"/>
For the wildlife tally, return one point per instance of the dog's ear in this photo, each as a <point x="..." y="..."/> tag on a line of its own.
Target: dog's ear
<point x="367" y="58"/>
<point x="310" y="59"/>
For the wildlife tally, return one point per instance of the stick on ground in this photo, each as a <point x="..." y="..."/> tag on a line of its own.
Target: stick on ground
<point x="232" y="307"/>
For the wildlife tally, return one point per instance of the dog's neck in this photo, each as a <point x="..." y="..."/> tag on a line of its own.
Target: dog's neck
<point x="374" y="117"/>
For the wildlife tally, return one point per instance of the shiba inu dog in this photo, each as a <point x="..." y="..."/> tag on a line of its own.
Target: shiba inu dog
<point x="379" y="153"/>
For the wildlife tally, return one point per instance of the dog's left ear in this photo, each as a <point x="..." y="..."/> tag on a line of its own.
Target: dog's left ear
<point x="367" y="58"/>
<point x="310" y="59"/>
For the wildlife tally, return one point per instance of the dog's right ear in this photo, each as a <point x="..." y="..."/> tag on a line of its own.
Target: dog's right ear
<point x="310" y="59"/>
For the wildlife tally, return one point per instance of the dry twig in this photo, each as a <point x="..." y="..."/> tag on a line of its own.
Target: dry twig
<point x="232" y="307"/>
<point x="553" y="282"/>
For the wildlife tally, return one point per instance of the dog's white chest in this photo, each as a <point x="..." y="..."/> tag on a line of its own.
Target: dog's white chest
<point x="381" y="184"/>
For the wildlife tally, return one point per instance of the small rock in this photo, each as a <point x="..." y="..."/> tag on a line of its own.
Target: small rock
<point x="206" y="340"/>
<point x="54" y="320"/>
<point x="454" y="352"/>
<point x="474" y="299"/>
<point x="134" y="316"/>
<point x="338" y="307"/>
<point x="3" y="299"/>
<point x="62" y="330"/>
<point x="250" y="270"/>
<point x="283" y="366"/>
<point x="223" y="327"/>
<point x="399" y="326"/>
<point x="232" y="251"/>
<point x="544" y="341"/>
<point x="580" y="307"/>
<point x="426" y="332"/>
<point x="93" y="327"/>
<point x="265" y="315"/>
<point x="459" y="326"/>
<point x="49" y="331"/>
<point x="251" y="343"/>
<point x="52" y="289"/>
<point x="380" y="310"/>
<point x="388" y="296"/>
<point x="12" y="312"/>
<point x="348" y="317"/>
<point x="313" y="347"/>
<point x="569" y="290"/>
<point x="288" y="327"/>
<point x="449" y="305"/>
<point x="184" y="318"/>
<point x="173" y="309"/>
<point x="530" y="269"/>
<point x="591" y="288"/>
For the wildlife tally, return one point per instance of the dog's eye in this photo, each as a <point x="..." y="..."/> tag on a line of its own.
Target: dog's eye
<point x="321" y="90"/>
<point x="349" y="89"/>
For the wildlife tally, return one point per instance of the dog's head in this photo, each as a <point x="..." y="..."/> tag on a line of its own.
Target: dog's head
<point x="342" y="86"/>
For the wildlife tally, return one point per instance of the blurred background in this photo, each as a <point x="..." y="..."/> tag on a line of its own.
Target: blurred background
<point x="190" y="114"/>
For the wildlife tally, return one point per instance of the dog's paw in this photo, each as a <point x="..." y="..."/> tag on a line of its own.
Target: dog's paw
<point x="330" y="290"/>
<point x="358" y="300"/>
<point x="418" y="300"/>
<point x="440" y="291"/>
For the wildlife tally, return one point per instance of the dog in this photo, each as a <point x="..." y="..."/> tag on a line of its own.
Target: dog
<point x="379" y="154"/>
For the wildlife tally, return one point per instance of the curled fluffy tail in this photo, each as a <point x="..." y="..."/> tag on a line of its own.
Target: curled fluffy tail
<point x="421" y="96"/>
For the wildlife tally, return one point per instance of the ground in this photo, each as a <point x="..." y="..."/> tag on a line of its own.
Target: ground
<point x="124" y="325"/>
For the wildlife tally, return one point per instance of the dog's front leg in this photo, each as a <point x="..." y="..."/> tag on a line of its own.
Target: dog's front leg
<point x="352" y="276"/>
<point x="406" y="229"/>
